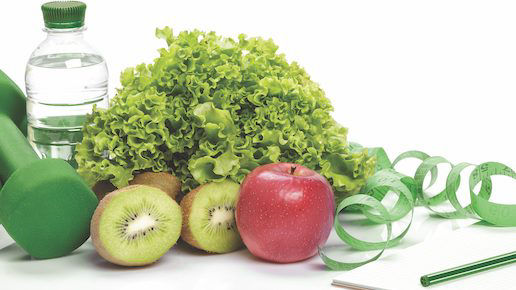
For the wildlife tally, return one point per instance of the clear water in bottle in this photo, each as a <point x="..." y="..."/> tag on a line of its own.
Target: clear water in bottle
<point x="65" y="77"/>
<point x="61" y="89"/>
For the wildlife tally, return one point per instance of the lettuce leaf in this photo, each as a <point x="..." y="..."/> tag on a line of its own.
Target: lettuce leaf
<point x="211" y="108"/>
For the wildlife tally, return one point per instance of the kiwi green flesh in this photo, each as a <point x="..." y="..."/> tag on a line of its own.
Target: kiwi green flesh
<point x="212" y="217"/>
<point x="138" y="225"/>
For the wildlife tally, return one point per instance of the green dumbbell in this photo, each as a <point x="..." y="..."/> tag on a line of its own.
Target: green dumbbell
<point x="44" y="205"/>
<point x="14" y="105"/>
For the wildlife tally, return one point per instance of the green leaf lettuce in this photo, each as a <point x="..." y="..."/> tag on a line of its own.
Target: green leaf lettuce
<point x="211" y="108"/>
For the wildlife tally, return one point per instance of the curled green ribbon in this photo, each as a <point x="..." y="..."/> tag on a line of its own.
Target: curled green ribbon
<point x="411" y="193"/>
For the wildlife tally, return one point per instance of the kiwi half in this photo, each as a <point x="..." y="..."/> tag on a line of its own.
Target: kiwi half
<point x="162" y="180"/>
<point x="135" y="225"/>
<point x="209" y="217"/>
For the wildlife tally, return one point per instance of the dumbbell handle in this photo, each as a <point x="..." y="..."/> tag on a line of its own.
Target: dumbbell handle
<point x="15" y="150"/>
<point x="12" y="101"/>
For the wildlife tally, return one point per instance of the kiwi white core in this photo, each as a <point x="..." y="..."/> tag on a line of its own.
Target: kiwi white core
<point x="222" y="217"/>
<point x="141" y="224"/>
<point x="140" y="220"/>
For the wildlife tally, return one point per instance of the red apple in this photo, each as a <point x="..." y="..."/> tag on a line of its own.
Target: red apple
<point x="284" y="212"/>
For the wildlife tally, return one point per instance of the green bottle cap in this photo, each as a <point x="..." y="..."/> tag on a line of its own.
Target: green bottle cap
<point x="63" y="14"/>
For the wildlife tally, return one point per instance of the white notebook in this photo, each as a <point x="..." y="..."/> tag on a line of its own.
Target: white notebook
<point x="402" y="270"/>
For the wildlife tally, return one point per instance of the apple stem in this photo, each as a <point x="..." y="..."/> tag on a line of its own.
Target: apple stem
<point x="292" y="169"/>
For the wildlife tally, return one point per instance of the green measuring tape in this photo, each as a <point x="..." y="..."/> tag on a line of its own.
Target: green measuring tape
<point x="411" y="193"/>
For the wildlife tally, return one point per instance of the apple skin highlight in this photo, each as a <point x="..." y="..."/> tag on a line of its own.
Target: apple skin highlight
<point x="285" y="212"/>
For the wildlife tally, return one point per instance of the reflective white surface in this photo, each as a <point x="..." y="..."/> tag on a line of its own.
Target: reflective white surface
<point x="5" y="239"/>
<point x="186" y="268"/>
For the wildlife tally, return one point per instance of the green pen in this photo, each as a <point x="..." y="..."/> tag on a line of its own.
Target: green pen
<point x="468" y="269"/>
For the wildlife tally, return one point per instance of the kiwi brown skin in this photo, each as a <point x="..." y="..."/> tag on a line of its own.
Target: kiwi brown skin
<point x="102" y="188"/>
<point x="94" y="229"/>
<point x="186" y="206"/>
<point x="162" y="180"/>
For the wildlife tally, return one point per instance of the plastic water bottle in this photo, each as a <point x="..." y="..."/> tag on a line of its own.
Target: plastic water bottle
<point x="65" y="78"/>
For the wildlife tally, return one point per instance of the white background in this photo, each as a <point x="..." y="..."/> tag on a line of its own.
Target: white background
<point x="437" y="76"/>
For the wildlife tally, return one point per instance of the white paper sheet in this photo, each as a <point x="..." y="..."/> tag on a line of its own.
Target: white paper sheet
<point x="402" y="270"/>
